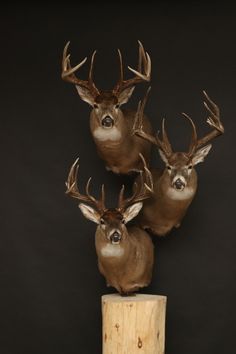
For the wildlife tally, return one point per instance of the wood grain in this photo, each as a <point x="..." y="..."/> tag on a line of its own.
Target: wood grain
<point x="133" y="324"/>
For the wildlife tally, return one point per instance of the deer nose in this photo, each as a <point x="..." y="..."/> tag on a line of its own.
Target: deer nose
<point x="107" y="122"/>
<point x="115" y="237"/>
<point x="179" y="184"/>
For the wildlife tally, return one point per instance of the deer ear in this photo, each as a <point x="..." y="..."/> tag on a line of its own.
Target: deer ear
<point x="132" y="211"/>
<point x="89" y="213"/>
<point x="200" y="154"/>
<point x="85" y="95"/>
<point x="163" y="156"/>
<point x="125" y="95"/>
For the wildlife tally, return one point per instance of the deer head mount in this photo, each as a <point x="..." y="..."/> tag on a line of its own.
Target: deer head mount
<point x="106" y="104"/>
<point x="118" y="245"/>
<point x="176" y="186"/>
<point x="110" y="125"/>
<point x="179" y="165"/>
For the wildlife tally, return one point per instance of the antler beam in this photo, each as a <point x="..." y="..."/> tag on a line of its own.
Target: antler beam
<point x="140" y="194"/>
<point x="73" y="190"/>
<point x="68" y="73"/>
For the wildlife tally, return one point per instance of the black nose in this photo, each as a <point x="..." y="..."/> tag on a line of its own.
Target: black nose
<point x="115" y="237"/>
<point x="107" y="122"/>
<point x="179" y="184"/>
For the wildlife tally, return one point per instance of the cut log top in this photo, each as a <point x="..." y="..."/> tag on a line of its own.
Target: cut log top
<point x="134" y="298"/>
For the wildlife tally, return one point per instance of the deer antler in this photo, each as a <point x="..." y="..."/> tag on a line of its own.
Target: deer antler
<point x="68" y="73"/>
<point x="144" y="63"/>
<point x="73" y="191"/>
<point x="213" y="120"/>
<point x="164" y="143"/>
<point x="140" y="194"/>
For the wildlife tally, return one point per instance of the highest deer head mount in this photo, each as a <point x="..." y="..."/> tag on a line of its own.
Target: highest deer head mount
<point x="111" y="126"/>
<point x="177" y="185"/>
<point x="106" y="103"/>
<point x="117" y="245"/>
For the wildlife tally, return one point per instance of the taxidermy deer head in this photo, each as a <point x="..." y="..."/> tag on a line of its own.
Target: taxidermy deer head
<point x="176" y="186"/>
<point x="125" y="254"/>
<point x="110" y="126"/>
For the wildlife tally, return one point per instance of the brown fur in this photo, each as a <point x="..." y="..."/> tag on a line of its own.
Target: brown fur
<point x="161" y="213"/>
<point x="123" y="156"/>
<point x="133" y="270"/>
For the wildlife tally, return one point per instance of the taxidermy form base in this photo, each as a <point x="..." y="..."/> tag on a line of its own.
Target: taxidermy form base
<point x="133" y="324"/>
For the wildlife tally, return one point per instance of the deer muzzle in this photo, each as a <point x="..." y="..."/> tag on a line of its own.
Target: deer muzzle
<point x="179" y="184"/>
<point x="107" y="122"/>
<point x="115" y="237"/>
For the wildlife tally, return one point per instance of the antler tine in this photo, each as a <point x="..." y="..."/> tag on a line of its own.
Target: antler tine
<point x="71" y="183"/>
<point x="73" y="190"/>
<point x="213" y="120"/>
<point x="100" y="204"/>
<point x="121" y="79"/>
<point x="145" y="61"/>
<point x="121" y="197"/>
<point x="103" y="198"/>
<point x="91" y="68"/>
<point x="67" y="70"/>
<point x="143" y="72"/>
<point x="140" y="56"/>
<point x="138" y="121"/>
<point x="148" y="176"/>
<point x="193" y="141"/>
<point x="143" y="192"/>
<point x="68" y="73"/>
<point x="167" y="148"/>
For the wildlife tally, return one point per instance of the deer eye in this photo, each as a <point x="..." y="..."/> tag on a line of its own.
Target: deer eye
<point x="168" y="167"/>
<point x="102" y="222"/>
<point x="190" y="167"/>
<point x="95" y="106"/>
<point x="117" y="106"/>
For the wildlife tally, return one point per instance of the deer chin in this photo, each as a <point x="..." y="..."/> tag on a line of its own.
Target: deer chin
<point x="112" y="250"/>
<point x="104" y="134"/>
<point x="180" y="194"/>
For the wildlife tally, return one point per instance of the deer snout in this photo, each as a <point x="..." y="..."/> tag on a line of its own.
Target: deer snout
<point x="115" y="237"/>
<point x="179" y="184"/>
<point x="107" y="122"/>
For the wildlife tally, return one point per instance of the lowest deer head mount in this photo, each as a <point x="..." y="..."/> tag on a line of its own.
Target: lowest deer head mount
<point x="110" y="126"/>
<point x="117" y="245"/>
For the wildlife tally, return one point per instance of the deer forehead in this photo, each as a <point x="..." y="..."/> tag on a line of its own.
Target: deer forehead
<point x="112" y="216"/>
<point x="179" y="160"/>
<point x="106" y="98"/>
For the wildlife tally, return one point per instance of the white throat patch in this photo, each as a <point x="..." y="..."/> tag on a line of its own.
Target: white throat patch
<point x="107" y="134"/>
<point x="175" y="194"/>
<point x="112" y="251"/>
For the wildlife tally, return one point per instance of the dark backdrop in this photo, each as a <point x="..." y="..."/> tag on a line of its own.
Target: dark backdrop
<point x="50" y="285"/>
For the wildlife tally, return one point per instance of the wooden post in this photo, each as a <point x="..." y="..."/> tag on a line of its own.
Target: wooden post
<point x="133" y="324"/>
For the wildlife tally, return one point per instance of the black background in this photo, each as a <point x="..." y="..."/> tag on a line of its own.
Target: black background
<point x="50" y="285"/>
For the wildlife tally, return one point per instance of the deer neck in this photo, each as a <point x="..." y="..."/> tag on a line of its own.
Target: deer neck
<point x="166" y="191"/>
<point x="114" y="136"/>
